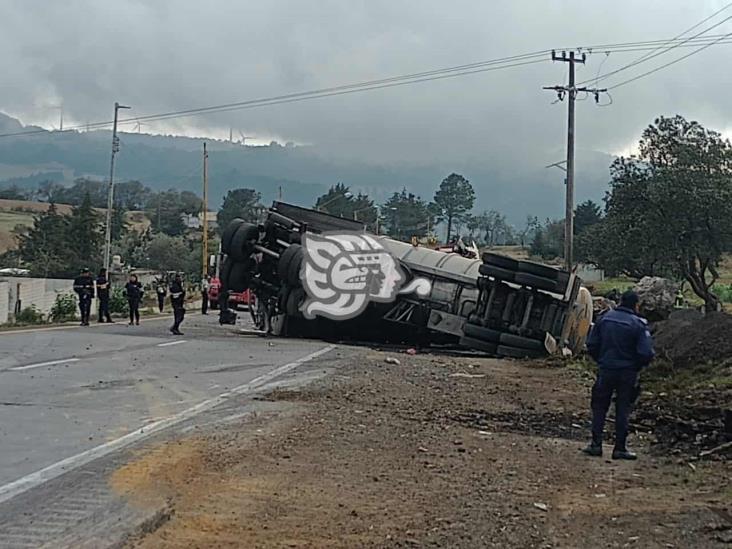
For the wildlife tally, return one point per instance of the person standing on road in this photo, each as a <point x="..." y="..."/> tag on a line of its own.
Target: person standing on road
<point x="133" y="292"/>
<point x="205" y="285"/>
<point x="177" y="300"/>
<point x="84" y="288"/>
<point x="103" y="288"/>
<point x="161" y="293"/>
<point x="621" y="344"/>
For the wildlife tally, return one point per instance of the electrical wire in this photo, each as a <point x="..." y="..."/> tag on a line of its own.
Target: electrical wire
<point x="654" y="55"/>
<point x="673" y="62"/>
<point x="448" y="72"/>
<point x="426" y="76"/>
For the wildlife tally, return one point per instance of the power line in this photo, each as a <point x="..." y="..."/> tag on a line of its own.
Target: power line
<point x="699" y="24"/>
<point x="448" y="72"/>
<point x="654" y="55"/>
<point x="643" y="75"/>
<point x="407" y="79"/>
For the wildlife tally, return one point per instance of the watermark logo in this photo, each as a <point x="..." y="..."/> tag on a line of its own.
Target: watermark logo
<point x="343" y="272"/>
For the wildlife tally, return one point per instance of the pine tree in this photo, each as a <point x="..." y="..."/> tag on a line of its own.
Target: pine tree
<point x="44" y="247"/>
<point x="84" y="236"/>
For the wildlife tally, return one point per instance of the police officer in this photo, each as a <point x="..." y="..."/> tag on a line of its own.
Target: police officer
<point x="161" y="293"/>
<point x="134" y="293"/>
<point x="205" y="285"/>
<point x="103" y="296"/>
<point x="621" y="344"/>
<point x="84" y="288"/>
<point x="177" y="300"/>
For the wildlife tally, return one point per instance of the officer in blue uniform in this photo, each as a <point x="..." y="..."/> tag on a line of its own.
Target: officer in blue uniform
<point x="621" y="344"/>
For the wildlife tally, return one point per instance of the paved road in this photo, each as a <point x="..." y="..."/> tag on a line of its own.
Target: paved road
<point x="66" y="391"/>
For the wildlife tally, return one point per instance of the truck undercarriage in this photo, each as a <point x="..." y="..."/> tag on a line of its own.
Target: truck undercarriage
<point x="495" y="304"/>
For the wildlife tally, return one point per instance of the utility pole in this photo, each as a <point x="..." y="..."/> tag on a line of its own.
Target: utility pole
<point x="110" y="190"/>
<point x="205" y="210"/>
<point x="570" y="91"/>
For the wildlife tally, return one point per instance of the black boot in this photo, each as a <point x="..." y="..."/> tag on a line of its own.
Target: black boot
<point x="593" y="449"/>
<point x="621" y="452"/>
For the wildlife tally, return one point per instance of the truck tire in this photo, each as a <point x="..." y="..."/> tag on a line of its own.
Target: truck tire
<point x="502" y="261"/>
<point x="239" y="277"/>
<point x="478" y="344"/>
<point x="242" y="244"/>
<point x="516" y="352"/>
<point x="293" y="272"/>
<point x="538" y="269"/>
<point x="228" y="234"/>
<point x="479" y="332"/>
<point x="283" y="265"/>
<point x="512" y="340"/>
<point x="537" y="282"/>
<point x="496" y="272"/>
<point x="294" y="300"/>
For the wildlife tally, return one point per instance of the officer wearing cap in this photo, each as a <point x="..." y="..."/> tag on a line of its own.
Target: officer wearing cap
<point x="84" y="288"/>
<point x="621" y="344"/>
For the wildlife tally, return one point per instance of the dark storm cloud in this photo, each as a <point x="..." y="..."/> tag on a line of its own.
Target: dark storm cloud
<point x="161" y="55"/>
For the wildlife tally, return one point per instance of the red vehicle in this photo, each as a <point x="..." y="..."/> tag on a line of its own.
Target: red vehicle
<point x="236" y="299"/>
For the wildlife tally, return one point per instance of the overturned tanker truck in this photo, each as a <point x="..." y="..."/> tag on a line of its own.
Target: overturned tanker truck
<point x="495" y="304"/>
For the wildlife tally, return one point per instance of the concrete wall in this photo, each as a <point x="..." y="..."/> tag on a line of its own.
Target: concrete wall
<point x="4" y="301"/>
<point x="22" y="292"/>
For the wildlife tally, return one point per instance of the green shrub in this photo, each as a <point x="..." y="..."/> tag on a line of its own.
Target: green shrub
<point x="29" y="315"/>
<point x="118" y="302"/>
<point x="724" y="292"/>
<point x="64" y="308"/>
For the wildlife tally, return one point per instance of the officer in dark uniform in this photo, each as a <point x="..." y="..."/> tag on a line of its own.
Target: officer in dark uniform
<point x="621" y="344"/>
<point x="84" y="288"/>
<point x="177" y="300"/>
<point x="103" y="288"/>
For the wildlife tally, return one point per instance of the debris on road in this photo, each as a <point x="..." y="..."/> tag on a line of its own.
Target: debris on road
<point x="392" y="360"/>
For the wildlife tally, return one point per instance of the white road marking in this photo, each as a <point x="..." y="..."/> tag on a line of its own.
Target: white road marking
<point x="169" y="343"/>
<point x="42" y="364"/>
<point x="23" y="484"/>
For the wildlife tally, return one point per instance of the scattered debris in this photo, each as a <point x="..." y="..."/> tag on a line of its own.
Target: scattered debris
<point x="720" y="448"/>
<point x="469" y="376"/>
<point x="541" y="506"/>
<point x="412" y="351"/>
<point x="392" y="360"/>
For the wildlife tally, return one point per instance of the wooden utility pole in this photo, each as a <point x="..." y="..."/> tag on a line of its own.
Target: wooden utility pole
<point x="570" y="91"/>
<point x="205" y="211"/>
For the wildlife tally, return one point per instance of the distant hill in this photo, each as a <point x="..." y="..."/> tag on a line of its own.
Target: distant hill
<point x="302" y="173"/>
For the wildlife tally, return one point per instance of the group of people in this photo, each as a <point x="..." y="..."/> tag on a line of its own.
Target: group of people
<point x="85" y="285"/>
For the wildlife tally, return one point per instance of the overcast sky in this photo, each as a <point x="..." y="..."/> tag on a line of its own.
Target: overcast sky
<point x="162" y="55"/>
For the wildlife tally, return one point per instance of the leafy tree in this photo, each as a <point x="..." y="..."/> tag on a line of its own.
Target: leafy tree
<point x="670" y="208"/>
<point x="529" y="229"/>
<point x="165" y="210"/>
<point x="242" y="203"/>
<point x="549" y="239"/>
<point x="168" y="253"/>
<point x="83" y="187"/>
<point x="455" y="199"/>
<point x="83" y="234"/>
<point x="494" y="227"/>
<point x="337" y="201"/>
<point x="585" y="215"/>
<point x="407" y="215"/>
<point x="132" y="195"/>
<point x="48" y="191"/>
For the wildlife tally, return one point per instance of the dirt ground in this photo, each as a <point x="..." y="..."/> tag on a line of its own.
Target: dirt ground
<point x="433" y="452"/>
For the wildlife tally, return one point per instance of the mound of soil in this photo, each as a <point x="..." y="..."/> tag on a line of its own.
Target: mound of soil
<point x="689" y="338"/>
